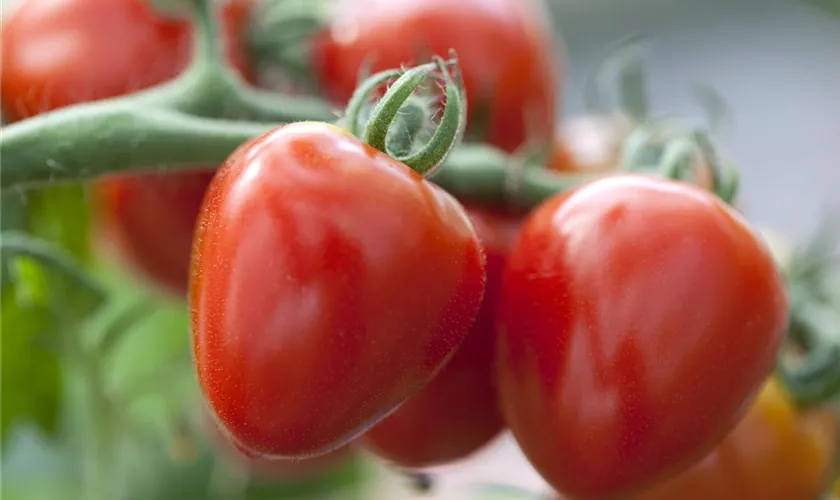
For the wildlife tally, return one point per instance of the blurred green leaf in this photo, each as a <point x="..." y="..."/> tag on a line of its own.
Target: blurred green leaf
<point x="48" y="296"/>
<point x="830" y="6"/>
<point x="13" y="217"/>
<point x="60" y="214"/>
<point x="206" y="478"/>
<point x="30" y="374"/>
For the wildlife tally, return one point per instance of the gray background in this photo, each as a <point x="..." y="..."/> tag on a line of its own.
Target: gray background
<point x="776" y="62"/>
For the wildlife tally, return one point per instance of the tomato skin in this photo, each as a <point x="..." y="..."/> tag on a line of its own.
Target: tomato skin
<point x="504" y="48"/>
<point x="774" y="453"/>
<point x="55" y="54"/>
<point x="330" y="283"/>
<point x="458" y="412"/>
<point x="150" y="220"/>
<point x="638" y="318"/>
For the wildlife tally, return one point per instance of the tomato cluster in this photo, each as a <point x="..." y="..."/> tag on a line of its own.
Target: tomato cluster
<point x="619" y="331"/>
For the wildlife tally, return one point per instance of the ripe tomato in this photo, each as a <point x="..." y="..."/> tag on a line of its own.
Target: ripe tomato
<point x="150" y="220"/>
<point x="458" y="411"/>
<point x="330" y="283"/>
<point x="55" y="54"/>
<point x="774" y="453"/>
<point x="504" y="47"/>
<point x="638" y="318"/>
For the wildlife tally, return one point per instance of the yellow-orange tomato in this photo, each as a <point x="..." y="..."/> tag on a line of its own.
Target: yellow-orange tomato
<point x="775" y="453"/>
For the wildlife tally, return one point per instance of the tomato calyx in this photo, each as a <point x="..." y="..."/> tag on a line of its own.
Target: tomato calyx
<point x="280" y="34"/>
<point x="811" y="372"/>
<point x="378" y="131"/>
<point x="667" y="149"/>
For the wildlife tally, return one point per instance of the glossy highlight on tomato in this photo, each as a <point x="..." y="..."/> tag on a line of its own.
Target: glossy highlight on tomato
<point x="458" y="412"/>
<point x="330" y="283"/>
<point x="637" y="320"/>
<point x="505" y="51"/>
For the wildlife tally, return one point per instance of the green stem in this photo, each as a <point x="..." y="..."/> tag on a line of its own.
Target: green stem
<point x="87" y="141"/>
<point x="479" y="173"/>
<point x="207" y="37"/>
<point x="14" y="243"/>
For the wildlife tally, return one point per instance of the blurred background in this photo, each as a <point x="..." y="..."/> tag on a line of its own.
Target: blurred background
<point x="775" y="62"/>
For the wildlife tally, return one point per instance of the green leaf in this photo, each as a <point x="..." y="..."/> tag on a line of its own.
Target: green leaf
<point x="30" y="387"/>
<point x="60" y="214"/>
<point x="201" y="478"/>
<point x="830" y="6"/>
<point x="48" y="297"/>
<point x="13" y="217"/>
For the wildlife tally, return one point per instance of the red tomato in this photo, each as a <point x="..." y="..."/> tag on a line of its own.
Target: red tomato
<point x="55" y="54"/>
<point x="458" y="411"/>
<point x="638" y="318"/>
<point x="505" y="49"/>
<point x="330" y="283"/>
<point x="150" y="219"/>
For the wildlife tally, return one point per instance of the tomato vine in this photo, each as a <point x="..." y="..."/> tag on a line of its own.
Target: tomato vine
<point x="209" y="111"/>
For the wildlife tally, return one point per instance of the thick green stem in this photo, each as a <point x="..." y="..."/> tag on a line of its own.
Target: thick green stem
<point x="479" y="173"/>
<point x="91" y="140"/>
<point x="213" y="89"/>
